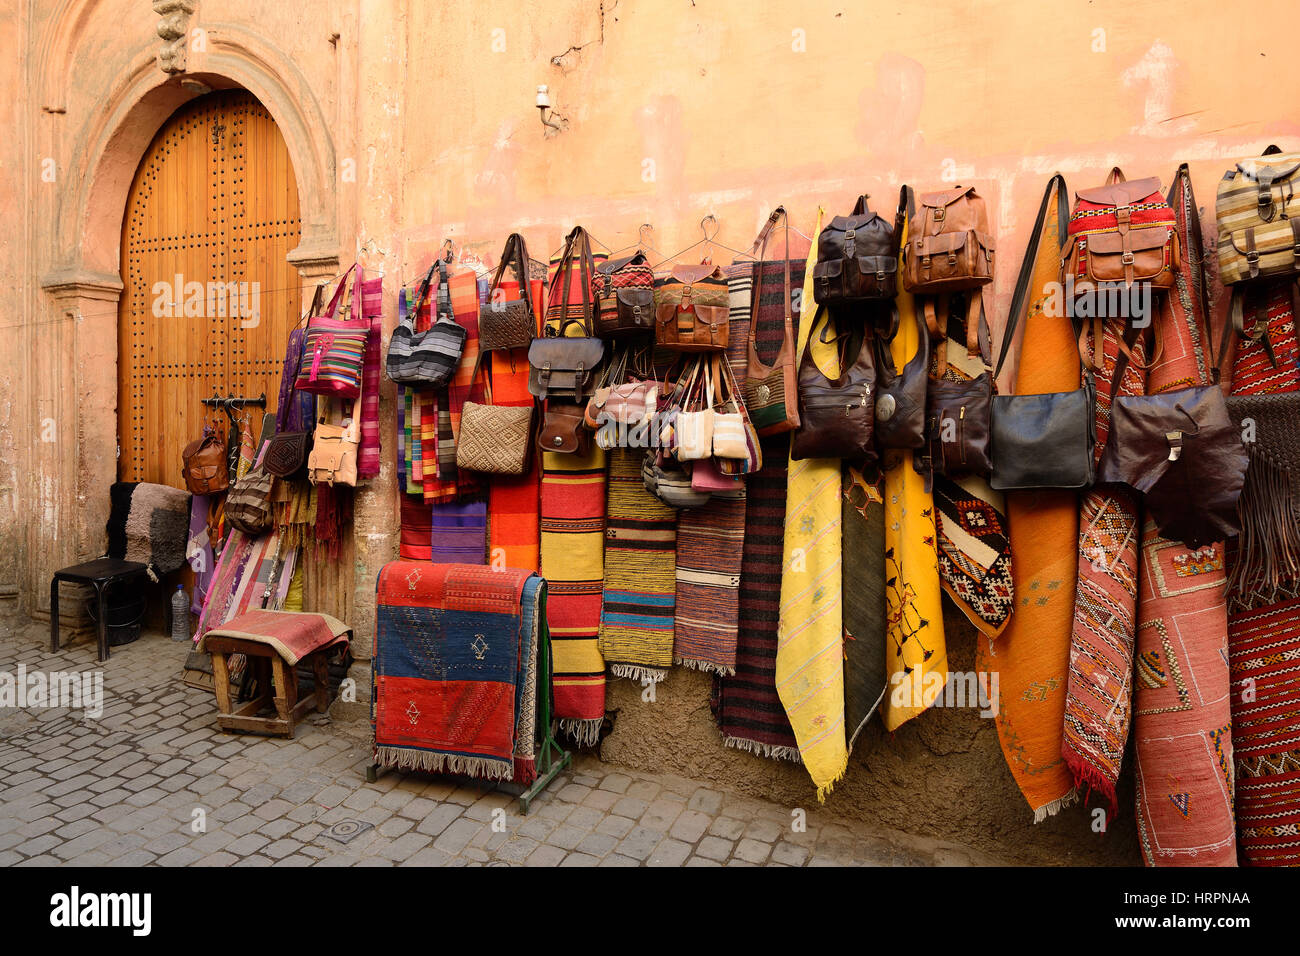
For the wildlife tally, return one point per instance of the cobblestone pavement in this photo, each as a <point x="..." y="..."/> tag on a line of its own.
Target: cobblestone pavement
<point x="126" y="790"/>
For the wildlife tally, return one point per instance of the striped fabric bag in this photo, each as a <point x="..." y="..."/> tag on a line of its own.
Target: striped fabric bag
<point x="372" y="310"/>
<point x="430" y="357"/>
<point x="334" y="348"/>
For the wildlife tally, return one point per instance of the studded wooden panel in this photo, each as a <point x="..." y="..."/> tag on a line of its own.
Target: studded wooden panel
<point x="209" y="297"/>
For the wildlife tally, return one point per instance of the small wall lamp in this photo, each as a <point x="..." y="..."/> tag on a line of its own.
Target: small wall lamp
<point x="543" y="105"/>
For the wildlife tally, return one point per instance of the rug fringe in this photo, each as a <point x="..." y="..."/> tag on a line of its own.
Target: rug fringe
<point x="428" y="761"/>
<point x="825" y="789"/>
<point x="707" y="666"/>
<point x="584" y="733"/>
<point x="1056" y="806"/>
<point x="771" y="751"/>
<point x="636" y="672"/>
<point x="1086" y="774"/>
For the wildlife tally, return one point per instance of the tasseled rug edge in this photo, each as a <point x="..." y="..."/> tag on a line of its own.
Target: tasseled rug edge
<point x="709" y="667"/>
<point x="584" y="733"/>
<point x="429" y="761"/>
<point x="653" y="675"/>
<point x="1056" y="806"/>
<point x="771" y="751"/>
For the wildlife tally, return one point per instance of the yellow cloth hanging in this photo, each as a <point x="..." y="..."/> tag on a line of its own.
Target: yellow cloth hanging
<point x="810" y="637"/>
<point x="915" y="651"/>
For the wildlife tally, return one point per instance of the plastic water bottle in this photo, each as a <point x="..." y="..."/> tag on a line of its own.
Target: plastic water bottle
<point x="180" y="614"/>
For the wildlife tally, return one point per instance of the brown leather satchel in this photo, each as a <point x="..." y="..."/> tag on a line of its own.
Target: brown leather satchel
<point x="563" y="429"/>
<point x="204" y="466"/>
<point x="770" y="391"/>
<point x="626" y="289"/>
<point x="836" y="415"/>
<point x="949" y="244"/>
<point x="562" y="365"/>
<point x="692" y="306"/>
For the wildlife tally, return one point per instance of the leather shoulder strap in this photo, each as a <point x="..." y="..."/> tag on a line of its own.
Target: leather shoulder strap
<point x="1020" y="298"/>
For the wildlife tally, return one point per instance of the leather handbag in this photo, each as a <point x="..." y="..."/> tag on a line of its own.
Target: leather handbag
<point x="333" y="458"/>
<point x="563" y="430"/>
<point x="670" y="482"/>
<point x="335" y="345"/>
<point x="248" y="506"/>
<point x="836" y="415"/>
<point x="429" y="358"/>
<point x="204" y="465"/>
<point x="692" y="308"/>
<point x="625" y="290"/>
<point x="286" y="455"/>
<point x="503" y="323"/>
<point x="562" y="365"/>
<point x="900" y="399"/>
<point x="857" y="256"/>
<point x="1122" y="232"/>
<point x="957" y="418"/>
<point x="1181" y="449"/>
<point x="494" y="439"/>
<point x="771" y="391"/>
<point x="1047" y="440"/>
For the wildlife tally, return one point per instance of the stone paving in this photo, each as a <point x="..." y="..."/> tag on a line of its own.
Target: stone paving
<point x="153" y="781"/>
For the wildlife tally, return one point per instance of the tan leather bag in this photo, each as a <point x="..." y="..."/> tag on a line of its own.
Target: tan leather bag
<point x="333" y="458"/>
<point x="204" y="466"/>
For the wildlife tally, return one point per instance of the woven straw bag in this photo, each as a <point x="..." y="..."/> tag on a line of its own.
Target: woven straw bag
<point x="494" y="439"/>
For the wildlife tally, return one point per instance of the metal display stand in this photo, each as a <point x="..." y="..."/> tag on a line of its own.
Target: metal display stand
<point x="551" y="758"/>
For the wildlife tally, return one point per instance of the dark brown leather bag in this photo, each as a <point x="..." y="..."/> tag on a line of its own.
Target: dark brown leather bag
<point x="508" y="323"/>
<point x="286" y="455"/>
<point x="1180" y="449"/>
<point x="561" y="365"/>
<point x="900" y="399"/>
<point x="857" y="256"/>
<point x="626" y="296"/>
<point x="205" y="469"/>
<point x="836" y="415"/>
<point x="563" y="429"/>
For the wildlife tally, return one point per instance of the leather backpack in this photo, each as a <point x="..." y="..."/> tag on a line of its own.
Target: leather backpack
<point x="1259" y="228"/>
<point x="625" y="290"/>
<point x="560" y="364"/>
<point x="1121" y="232"/>
<point x="692" y="309"/>
<point x="205" y="469"/>
<point x="857" y="256"/>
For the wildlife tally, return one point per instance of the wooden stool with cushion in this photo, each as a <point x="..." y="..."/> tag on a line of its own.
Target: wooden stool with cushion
<point x="273" y="643"/>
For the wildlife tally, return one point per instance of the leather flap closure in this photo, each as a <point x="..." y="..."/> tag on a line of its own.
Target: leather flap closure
<point x="636" y="298"/>
<point x="866" y="222"/>
<point x="1139" y="240"/>
<point x="871" y="265"/>
<point x="689" y="274"/>
<point x="613" y="265"/>
<point x="830" y="269"/>
<point x="1121" y="194"/>
<point x="205" y="472"/>
<point x="565" y="354"/>
<point x="942" y="243"/>
<point x="944" y="197"/>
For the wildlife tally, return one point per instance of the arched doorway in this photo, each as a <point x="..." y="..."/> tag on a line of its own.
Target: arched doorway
<point x="209" y="294"/>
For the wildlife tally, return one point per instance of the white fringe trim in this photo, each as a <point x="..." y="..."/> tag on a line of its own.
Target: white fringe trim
<point x="706" y="666"/>
<point x="483" y="768"/>
<point x="585" y="733"/>
<point x="1056" y="806"/>
<point x="772" y="751"/>
<point x="636" y="672"/>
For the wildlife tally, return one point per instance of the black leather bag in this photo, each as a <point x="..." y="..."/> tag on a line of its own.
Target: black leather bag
<point x="857" y="257"/>
<point x="900" y="399"/>
<point x="1046" y="440"/>
<point x="836" y="416"/>
<point x="286" y="455"/>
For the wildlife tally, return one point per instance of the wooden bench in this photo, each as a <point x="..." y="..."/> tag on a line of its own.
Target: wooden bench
<point x="277" y="687"/>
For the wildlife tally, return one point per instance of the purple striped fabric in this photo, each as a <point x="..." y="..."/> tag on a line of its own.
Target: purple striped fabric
<point x="372" y="308"/>
<point x="459" y="533"/>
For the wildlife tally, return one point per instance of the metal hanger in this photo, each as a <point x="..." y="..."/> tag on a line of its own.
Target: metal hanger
<point x="589" y="236"/>
<point x="709" y="241"/>
<point x="642" y="244"/>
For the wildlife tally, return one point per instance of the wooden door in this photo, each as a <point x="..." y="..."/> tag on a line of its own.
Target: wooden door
<point x="209" y="297"/>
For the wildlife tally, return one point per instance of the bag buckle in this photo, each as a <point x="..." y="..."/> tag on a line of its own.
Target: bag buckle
<point x="952" y="257"/>
<point x="938" y="213"/>
<point x="1127" y="258"/>
<point x="1253" y="256"/>
<point x="1124" y="214"/>
<point x="880" y="275"/>
<point x="1175" y="440"/>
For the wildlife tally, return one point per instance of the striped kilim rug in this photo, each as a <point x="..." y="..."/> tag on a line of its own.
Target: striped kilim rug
<point x="640" y="595"/>
<point x="573" y="563"/>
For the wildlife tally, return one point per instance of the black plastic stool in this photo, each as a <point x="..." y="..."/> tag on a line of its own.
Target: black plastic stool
<point x="101" y="574"/>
